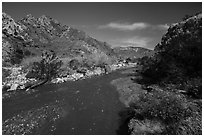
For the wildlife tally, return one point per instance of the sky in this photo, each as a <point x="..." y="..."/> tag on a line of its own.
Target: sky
<point x="139" y="24"/>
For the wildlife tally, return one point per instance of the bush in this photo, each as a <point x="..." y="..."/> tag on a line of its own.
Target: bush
<point x="65" y="62"/>
<point x="16" y="56"/>
<point x="28" y="62"/>
<point x="5" y="73"/>
<point x="47" y="68"/>
<point x="98" y="60"/>
<point x="170" y="109"/>
<point x="90" y="61"/>
<point x="193" y="87"/>
<point x="75" y="64"/>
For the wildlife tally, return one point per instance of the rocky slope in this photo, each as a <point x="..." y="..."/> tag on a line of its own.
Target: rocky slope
<point x="30" y="35"/>
<point x="173" y="81"/>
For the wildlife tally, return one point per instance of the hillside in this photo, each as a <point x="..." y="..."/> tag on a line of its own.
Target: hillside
<point x="30" y="36"/>
<point x="169" y="99"/>
<point x="132" y="52"/>
<point x="179" y="55"/>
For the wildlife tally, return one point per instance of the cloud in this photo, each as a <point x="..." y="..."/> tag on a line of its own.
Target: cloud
<point x="125" y="26"/>
<point x="133" y="26"/>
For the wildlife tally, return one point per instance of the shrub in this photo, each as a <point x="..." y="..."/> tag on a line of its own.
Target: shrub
<point x="28" y="62"/>
<point x="5" y="73"/>
<point x="47" y="68"/>
<point x="98" y="59"/>
<point x="74" y="64"/>
<point x="193" y="87"/>
<point x="90" y="61"/>
<point x="170" y="109"/>
<point x="65" y="62"/>
<point x="16" y="56"/>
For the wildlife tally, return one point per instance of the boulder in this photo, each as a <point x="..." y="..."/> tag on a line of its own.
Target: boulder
<point x="97" y="71"/>
<point x="77" y="76"/>
<point x="89" y="73"/>
<point x="57" y="80"/>
<point x="13" y="87"/>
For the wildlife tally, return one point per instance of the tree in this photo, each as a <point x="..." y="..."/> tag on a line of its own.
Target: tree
<point x="47" y="68"/>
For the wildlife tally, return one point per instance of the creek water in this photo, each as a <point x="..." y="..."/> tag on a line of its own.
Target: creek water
<point x="89" y="106"/>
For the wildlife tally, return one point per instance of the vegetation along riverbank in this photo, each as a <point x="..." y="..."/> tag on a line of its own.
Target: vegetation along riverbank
<point x="164" y="94"/>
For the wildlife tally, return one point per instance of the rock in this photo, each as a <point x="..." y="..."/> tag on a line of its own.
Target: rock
<point x="77" y="76"/>
<point x="13" y="87"/>
<point x="97" y="71"/>
<point x="182" y="91"/>
<point x="57" y="80"/>
<point x="89" y="73"/>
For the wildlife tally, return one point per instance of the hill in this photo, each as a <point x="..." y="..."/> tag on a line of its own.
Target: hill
<point x="132" y="52"/>
<point x="30" y="36"/>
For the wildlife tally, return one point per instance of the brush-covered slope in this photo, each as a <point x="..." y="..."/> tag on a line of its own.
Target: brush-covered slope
<point x="178" y="58"/>
<point x="30" y="36"/>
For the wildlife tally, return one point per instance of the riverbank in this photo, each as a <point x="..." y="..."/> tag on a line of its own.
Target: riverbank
<point x="17" y="80"/>
<point x="157" y="110"/>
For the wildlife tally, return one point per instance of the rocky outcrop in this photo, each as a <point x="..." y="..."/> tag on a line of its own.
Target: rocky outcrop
<point x="16" y="80"/>
<point x="37" y="34"/>
<point x="10" y="27"/>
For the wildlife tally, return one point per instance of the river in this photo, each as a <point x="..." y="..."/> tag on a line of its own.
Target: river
<point x="83" y="107"/>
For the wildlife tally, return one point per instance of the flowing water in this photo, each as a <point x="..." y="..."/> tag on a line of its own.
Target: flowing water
<point x="89" y="106"/>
